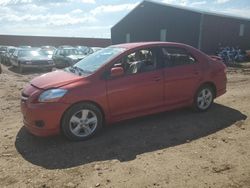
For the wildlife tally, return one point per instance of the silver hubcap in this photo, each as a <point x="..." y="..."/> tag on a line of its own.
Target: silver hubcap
<point x="205" y="98"/>
<point x="83" y="123"/>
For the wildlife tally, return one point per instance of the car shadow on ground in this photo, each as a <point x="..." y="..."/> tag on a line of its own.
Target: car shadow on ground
<point x="125" y="140"/>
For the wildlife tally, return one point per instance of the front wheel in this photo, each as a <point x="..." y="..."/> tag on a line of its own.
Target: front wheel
<point x="204" y="98"/>
<point x="82" y="121"/>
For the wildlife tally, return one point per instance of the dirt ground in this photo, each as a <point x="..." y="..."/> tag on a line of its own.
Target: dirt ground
<point x="172" y="149"/>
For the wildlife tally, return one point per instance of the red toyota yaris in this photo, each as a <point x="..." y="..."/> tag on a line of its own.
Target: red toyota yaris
<point x="120" y="82"/>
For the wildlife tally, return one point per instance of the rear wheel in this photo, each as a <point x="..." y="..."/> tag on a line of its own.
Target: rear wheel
<point x="49" y="69"/>
<point x="82" y="121"/>
<point x="20" y="68"/>
<point x="204" y="98"/>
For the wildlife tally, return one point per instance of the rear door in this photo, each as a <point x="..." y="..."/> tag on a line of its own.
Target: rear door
<point x="141" y="88"/>
<point x="182" y="74"/>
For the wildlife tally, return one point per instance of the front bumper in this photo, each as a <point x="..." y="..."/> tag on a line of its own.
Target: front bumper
<point x="221" y="92"/>
<point x="48" y="113"/>
<point x="37" y="66"/>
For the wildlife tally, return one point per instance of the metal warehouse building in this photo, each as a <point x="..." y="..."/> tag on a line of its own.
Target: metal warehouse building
<point x="153" y="21"/>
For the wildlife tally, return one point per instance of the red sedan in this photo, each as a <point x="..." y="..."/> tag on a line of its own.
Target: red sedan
<point x="121" y="82"/>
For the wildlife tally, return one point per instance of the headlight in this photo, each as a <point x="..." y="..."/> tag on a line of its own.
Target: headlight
<point x="52" y="95"/>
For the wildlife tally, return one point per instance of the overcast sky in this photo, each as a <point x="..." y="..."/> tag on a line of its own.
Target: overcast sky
<point x="89" y="18"/>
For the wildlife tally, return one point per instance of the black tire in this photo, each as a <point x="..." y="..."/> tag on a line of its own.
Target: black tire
<point x="8" y="62"/>
<point x="207" y="101"/>
<point x="49" y="69"/>
<point x="20" y="68"/>
<point x="66" y="124"/>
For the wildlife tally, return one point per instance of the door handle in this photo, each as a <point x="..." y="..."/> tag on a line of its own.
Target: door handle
<point x="156" y="78"/>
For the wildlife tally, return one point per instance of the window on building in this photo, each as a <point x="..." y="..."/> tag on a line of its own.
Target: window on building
<point x="128" y="37"/>
<point x="242" y="28"/>
<point x="163" y="35"/>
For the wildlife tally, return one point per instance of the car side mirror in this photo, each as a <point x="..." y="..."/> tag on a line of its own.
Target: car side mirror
<point x="117" y="71"/>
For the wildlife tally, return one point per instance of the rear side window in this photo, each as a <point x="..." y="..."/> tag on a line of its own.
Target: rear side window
<point x="61" y="52"/>
<point x="173" y="57"/>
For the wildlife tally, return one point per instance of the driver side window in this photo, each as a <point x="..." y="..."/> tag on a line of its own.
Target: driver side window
<point x="139" y="61"/>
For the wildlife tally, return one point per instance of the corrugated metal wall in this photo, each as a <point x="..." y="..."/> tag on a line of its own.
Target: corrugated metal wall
<point x="224" y="31"/>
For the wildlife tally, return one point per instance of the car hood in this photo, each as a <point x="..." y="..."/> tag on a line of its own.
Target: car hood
<point x="54" y="79"/>
<point x="35" y="58"/>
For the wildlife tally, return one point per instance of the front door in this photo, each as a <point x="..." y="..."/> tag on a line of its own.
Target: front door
<point x="140" y="88"/>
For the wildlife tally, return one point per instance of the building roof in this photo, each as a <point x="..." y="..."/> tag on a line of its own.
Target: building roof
<point x="198" y="11"/>
<point x="187" y="9"/>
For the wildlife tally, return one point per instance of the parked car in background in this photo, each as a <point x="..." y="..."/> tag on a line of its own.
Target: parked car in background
<point x="95" y="49"/>
<point x="24" y="46"/>
<point x="48" y="47"/>
<point x="121" y="82"/>
<point x="3" y="50"/>
<point x="7" y="56"/>
<point x="67" y="56"/>
<point x="24" y="58"/>
<point x="65" y="46"/>
<point x="47" y="52"/>
<point x="85" y="50"/>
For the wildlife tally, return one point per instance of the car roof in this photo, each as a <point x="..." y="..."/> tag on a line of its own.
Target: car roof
<point x="11" y="47"/>
<point x="141" y="44"/>
<point x="28" y="49"/>
<point x="66" y="48"/>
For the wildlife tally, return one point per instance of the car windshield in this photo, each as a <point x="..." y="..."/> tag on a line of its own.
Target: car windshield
<point x="46" y="52"/>
<point x="12" y="50"/>
<point x="27" y="53"/>
<point x="84" y="49"/>
<point x="68" y="52"/>
<point x="94" y="61"/>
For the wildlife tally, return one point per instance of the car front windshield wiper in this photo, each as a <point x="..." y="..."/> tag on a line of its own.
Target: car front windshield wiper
<point x="78" y="70"/>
